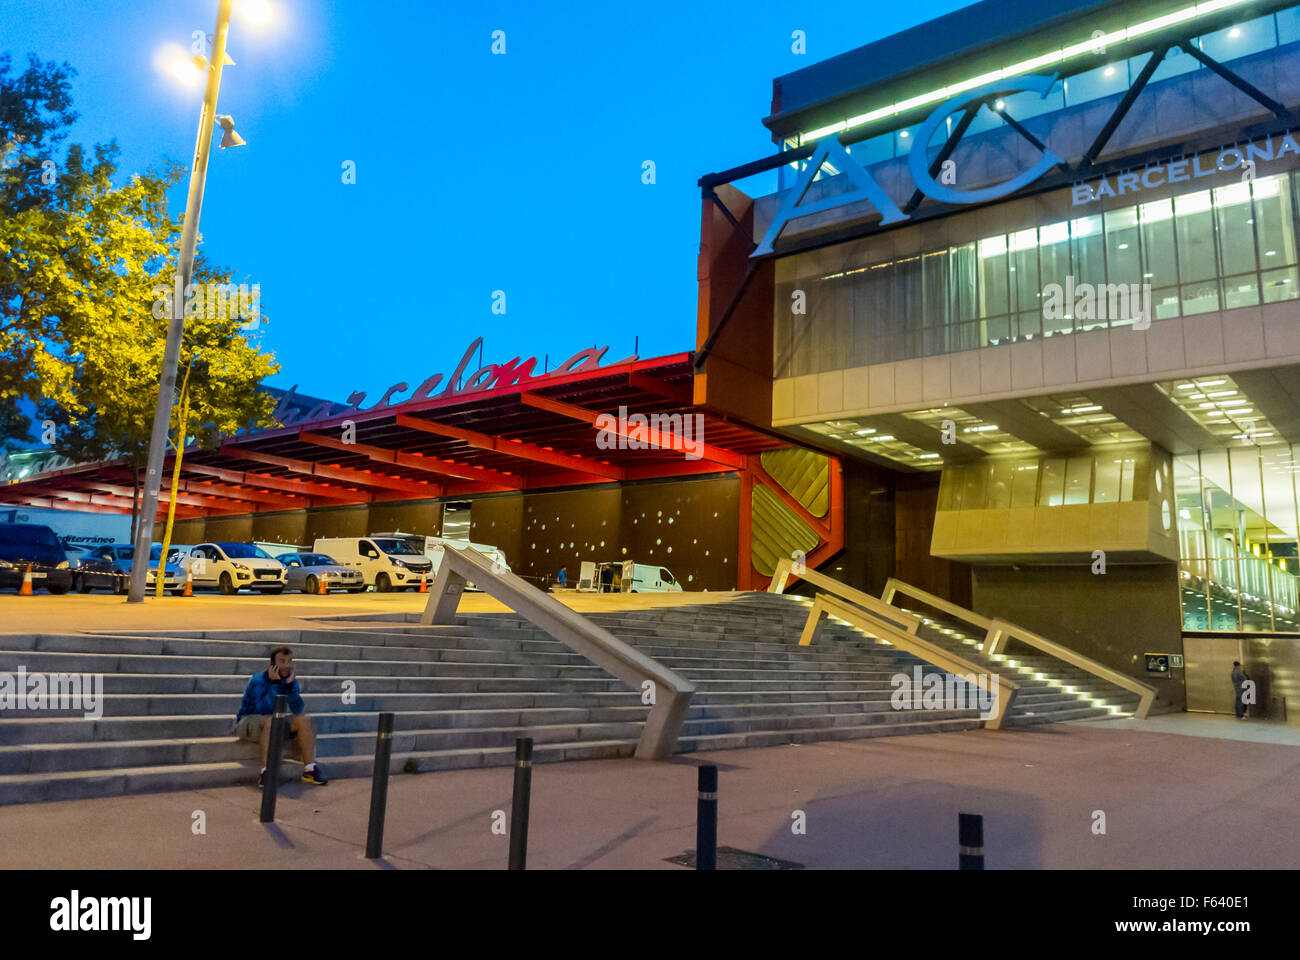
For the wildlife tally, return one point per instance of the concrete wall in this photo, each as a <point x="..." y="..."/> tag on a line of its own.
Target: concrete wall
<point x="917" y="500"/>
<point x="1113" y="618"/>
<point x="868" y="557"/>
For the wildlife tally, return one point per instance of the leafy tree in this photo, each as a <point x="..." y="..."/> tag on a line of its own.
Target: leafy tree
<point x="81" y="260"/>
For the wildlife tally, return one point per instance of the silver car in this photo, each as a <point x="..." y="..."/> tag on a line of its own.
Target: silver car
<point x="307" y="571"/>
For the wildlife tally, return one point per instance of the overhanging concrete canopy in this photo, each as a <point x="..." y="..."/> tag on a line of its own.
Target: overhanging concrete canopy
<point x="1152" y="414"/>
<point x="1275" y="392"/>
<point x="1025" y="424"/>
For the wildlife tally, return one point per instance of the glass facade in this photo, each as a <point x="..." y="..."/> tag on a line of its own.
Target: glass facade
<point x="1237" y="538"/>
<point x="1112" y="79"/>
<point x="1230" y="246"/>
<point x="1114" y="475"/>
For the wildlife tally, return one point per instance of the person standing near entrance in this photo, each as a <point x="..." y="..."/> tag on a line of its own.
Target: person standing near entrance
<point x="562" y="578"/>
<point x="1239" y="681"/>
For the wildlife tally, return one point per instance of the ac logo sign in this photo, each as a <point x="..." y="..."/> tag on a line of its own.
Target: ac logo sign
<point x="865" y="187"/>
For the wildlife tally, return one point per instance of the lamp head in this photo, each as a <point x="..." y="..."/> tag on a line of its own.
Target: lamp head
<point x="229" y="138"/>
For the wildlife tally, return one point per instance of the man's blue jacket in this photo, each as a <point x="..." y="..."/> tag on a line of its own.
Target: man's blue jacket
<point x="260" y="694"/>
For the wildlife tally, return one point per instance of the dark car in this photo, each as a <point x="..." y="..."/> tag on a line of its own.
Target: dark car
<point x="22" y="544"/>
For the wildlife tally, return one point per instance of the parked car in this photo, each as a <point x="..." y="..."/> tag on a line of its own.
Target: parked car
<point x="108" y="567"/>
<point x="306" y="572"/>
<point x="231" y="567"/>
<point x="387" y="563"/>
<point x="32" y="543"/>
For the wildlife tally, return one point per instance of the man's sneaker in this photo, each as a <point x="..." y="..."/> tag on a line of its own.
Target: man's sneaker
<point x="261" y="779"/>
<point x="315" y="776"/>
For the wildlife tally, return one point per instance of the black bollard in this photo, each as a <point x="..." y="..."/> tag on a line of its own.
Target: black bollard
<point x="970" y="841"/>
<point x="706" y="820"/>
<point x="519" y="806"/>
<point x="379" y="788"/>
<point x="275" y="747"/>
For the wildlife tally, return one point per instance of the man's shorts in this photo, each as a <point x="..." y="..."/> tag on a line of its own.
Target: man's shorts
<point x="250" y="727"/>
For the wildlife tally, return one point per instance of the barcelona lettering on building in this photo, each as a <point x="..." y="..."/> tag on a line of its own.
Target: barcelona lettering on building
<point x="490" y="377"/>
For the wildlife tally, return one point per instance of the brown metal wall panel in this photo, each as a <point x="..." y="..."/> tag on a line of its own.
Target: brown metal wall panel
<point x="1207" y="665"/>
<point x="692" y="527"/>
<point x="288" y="527"/>
<point x="337" y="522"/>
<point x="1113" y="618"/>
<point x="416" y="516"/>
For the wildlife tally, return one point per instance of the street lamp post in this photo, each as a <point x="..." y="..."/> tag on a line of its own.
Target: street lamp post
<point x="176" y="326"/>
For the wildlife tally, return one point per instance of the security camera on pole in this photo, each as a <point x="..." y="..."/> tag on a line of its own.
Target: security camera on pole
<point x="184" y="271"/>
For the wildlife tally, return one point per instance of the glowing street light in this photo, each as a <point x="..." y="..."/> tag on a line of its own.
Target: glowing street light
<point x="258" y="11"/>
<point x="255" y="11"/>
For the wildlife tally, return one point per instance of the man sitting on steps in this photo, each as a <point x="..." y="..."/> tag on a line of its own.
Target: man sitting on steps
<point x="253" y="722"/>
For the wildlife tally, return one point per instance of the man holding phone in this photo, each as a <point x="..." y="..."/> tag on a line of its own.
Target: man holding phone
<point x="253" y="722"/>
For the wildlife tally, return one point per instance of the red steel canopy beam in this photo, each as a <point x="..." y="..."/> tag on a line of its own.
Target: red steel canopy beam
<point x="415" y="461"/>
<point x="51" y="504"/>
<point x="362" y="478"/>
<point x="641" y="381"/>
<point x="727" y="458"/>
<point x="191" y="499"/>
<point x="285" y="484"/>
<point x="513" y="448"/>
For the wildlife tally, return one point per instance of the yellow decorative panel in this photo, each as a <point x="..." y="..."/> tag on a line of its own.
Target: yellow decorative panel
<point x="804" y="474"/>
<point x="776" y="531"/>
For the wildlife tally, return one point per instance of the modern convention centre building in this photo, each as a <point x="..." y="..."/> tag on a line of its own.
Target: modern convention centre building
<point x="1010" y="313"/>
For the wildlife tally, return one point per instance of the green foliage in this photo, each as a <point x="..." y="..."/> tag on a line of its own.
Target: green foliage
<point x="80" y="258"/>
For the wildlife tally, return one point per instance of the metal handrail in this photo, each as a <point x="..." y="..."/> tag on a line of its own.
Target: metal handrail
<point x="998" y="631"/>
<point x="670" y="694"/>
<point x="1003" y="690"/>
<point x="894" y="585"/>
<point x="1001" y="630"/>
<point x="785" y="569"/>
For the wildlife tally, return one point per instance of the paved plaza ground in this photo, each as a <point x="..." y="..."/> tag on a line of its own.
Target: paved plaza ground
<point x="1178" y="790"/>
<point x="1187" y="799"/>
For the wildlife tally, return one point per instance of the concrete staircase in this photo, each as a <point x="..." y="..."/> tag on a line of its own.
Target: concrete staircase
<point x="1060" y="691"/>
<point x="461" y="695"/>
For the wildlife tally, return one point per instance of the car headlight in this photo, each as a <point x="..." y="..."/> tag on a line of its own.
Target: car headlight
<point x="239" y="566"/>
<point x="395" y="562"/>
<point x="63" y="565"/>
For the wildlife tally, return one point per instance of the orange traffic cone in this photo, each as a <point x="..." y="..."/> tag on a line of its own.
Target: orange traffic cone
<point x="424" y="583"/>
<point x="323" y="590"/>
<point x="189" y="584"/>
<point x="26" y="589"/>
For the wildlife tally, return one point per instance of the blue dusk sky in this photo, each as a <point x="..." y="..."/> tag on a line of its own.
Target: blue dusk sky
<point x="474" y="172"/>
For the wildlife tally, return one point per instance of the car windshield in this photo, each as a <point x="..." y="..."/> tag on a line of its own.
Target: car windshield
<point x="243" y="551"/>
<point x="155" y="552"/>
<point x="396" y="546"/>
<point x="124" y="553"/>
<point x="318" y="560"/>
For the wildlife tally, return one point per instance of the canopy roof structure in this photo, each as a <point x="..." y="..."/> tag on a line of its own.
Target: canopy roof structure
<point x="531" y="435"/>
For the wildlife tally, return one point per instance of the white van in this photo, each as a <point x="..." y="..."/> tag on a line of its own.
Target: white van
<point x="231" y="567"/>
<point x="626" y="576"/>
<point x="648" y="578"/>
<point x="386" y="563"/>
